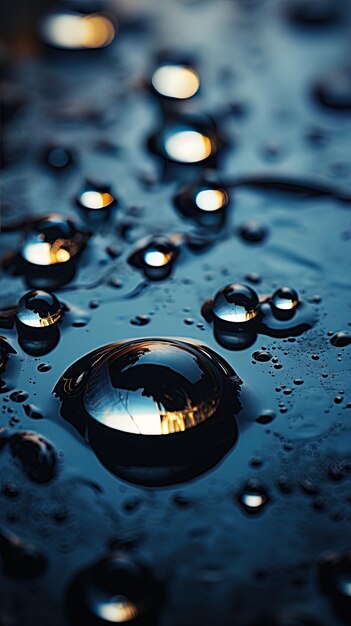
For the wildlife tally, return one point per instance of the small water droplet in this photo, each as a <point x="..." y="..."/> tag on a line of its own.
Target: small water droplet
<point x="39" y="309"/>
<point x="36" y="454"/>
<point x="235" y="304"/>
<point x="175" y="80"/>
<point x="266" y="417"/>
<point x="74" y="30"/>
<point x="253" y="497"/>
<point x="341" y="339"/>
<point x="252" y="232"/>
<point x="284" y="302"/>
<point x="262" y="356"/>
<point x="155" y="258"/>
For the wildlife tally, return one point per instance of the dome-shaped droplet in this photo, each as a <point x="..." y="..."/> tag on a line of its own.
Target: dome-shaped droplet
<point x="176" y="81"/>
<point x="114" y="590"/>
<point x="334" y="89"/>
<point x="39" y="309"/>
<point x="58" y="158"/>
<point x="341" y="339"/>
<point x="205" y="204"/>
<point x="36" y="454"/>
<point x="95" y="197"/>
<point x="155" y="258"/>
<point x="284" y="301"/>
<point x="167" y="407"/>
<point x="186" y="140"/>
<point x="235" y="304"/>
<point x="53" y="240"/>
<point x="253" y="497"/>
<point x="72" y="30"/>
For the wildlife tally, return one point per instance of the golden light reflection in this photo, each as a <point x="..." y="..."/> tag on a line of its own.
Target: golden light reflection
<point x="176" y="81"/>
<point x="118" y="610"/>
<point x="96" y="199"/>
<point x="44" y="253"/>
<point x="156" y="258"/>
<point x="77" y="31"/>
<point x="188" y="146"/>
<point x="211" y="199"/>
<point x="179" y="421"/>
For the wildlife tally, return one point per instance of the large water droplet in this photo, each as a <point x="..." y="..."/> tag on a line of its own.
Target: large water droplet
<point x="165" y="408"/>
<point x="114" y="590"/>
<point x="39" y="309"/>
<point x="72" y="30"/>
<point x="176" y="81"/>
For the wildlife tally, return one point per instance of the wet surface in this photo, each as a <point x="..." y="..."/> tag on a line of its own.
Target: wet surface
<point x="135" y="200"/>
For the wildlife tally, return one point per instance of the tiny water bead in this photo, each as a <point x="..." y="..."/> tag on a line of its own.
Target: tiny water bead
<point x="235" y="304"/>
<point x="253" y="496"/>
<point x="205" y="204"/>
<point x="39" y="309"/>
<point x="175" y="81"/>
<point x="114" y="590"/>
<point x="186" y="140"/>
<point x="70" y="30"/>
<point x="167" y="406"/>
<point x="335" y="581"/>
<point x="156" y="258"/>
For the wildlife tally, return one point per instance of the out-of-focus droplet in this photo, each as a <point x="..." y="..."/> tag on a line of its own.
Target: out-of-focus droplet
<point x="186" y="140"/>
<point x="235" y="304"/>
<point x="114" y="590"/>
<point x="253" y="497"/>
<point x="94" y="198"/>
<point x="58" y="158"/>
<point x="20" y="559"/>
<point x="335" y="581"/>
<point x="284" y="302"/>
<point x="39" y="309"/>
<point x="52" y="240"/>
<point x="341" y="339"/>
<point x="175" y="81"/>
<point x="266" y="417"/>
<point x="71" y="30"/>
<point x="140" y="396"/>
<point x="252" y="232"/>
<point x="155" y="258"/>
<point x="36" y="454"/>
<point x="334" y="89"/>
<point x="314" y="13"/>
<point x="206" y="203"/>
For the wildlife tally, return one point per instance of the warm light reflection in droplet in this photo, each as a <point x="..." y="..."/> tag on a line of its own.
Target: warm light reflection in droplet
<point x="76" y="31"/>
<point x="188" y="146"/>
<point x="43" y="253"/>
<point x="253" y="501"/>
<point x="211" y="199"/>
<point x="176" y="81"/>
<point x="156" y="258"/>
<point x="96" y="199"/>
<point x="118" y="610"/>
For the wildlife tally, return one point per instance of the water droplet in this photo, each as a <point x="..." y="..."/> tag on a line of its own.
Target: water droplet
<point x="114" y="590"/>
<point x="97" y="200"/>
<point x="53" y="240"/>
<point x="58" y="158"/>
<point x="265" y="417"/>
<point x="341" y="339"/>
<point x="205" y="204"/>
<point x="155" y="258"/>
<point x="335" y="581"/>
<point x="235" y="304"/>
<point x="39" y="309"/>
<point x="167" y="406"/>
<point x="18" y="396"/>
<point x="252" y="232"/>
<point x="176" y="81"/>
<point x="44" y="367"/>
<point x="314" y="13"/>
<point x="70" y="30"/>
<point x="36" y="454"/>
<point x="33" y="411"/>
<point x="188" y="140"/>
<point x="284" y="302"/>
<point x="334" y="89"/>
<point x="253" y="497"/>
<point x="20" y="559"/>
<point x="262" y="356"/>
<point x="140" y="320"/>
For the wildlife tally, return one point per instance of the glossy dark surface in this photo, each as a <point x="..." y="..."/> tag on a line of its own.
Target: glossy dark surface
<point x="262" y="535"/>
